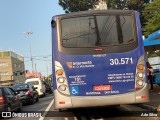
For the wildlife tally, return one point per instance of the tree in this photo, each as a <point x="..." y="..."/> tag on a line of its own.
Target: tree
<point x="76" y="5"/>
<point x="153" y="54"/>
<point x="138" y="5"/>
<point x="151" y="15"/>
<point x="81" y="5"/>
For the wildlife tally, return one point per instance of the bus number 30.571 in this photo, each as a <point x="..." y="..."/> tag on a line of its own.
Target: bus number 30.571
<point x="121" y="61"/>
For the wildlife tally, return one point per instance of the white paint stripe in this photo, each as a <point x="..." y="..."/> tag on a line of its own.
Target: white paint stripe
<point x="46" y="111"/>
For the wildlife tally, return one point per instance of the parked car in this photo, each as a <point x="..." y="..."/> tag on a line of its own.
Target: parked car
<point x="48" y="88"/>
<point x="27" y="92"/>
<point x="37" y="82"/>
<point x="9" y="100"/>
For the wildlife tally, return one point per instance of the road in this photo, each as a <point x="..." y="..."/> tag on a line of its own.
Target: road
<point x="122" y="112"/>
<point x="38" y="107"/>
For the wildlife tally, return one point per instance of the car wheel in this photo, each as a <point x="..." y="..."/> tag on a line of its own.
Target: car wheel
<point x="37" y="99"/>
<point x="32" y="101"/>
<point x="20" y="107"/>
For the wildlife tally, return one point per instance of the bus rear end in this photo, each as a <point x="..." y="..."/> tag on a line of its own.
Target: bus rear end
<point x="98" y="59"/>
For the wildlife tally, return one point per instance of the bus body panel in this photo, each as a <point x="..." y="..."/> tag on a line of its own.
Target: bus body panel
<point x="93" y="101"/>
<point x="88" y="71"/>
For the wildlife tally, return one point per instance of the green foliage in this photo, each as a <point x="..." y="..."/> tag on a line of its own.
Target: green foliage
<point x="76" y="5"/>
<point x="151" y="15"/>
<point x="82" y="5"/>
<point x="49" y="79"/>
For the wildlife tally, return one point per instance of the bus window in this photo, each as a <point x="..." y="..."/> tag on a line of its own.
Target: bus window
<point x="85" y="31"/>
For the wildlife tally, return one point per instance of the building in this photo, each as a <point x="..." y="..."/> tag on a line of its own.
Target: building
<point x="100" y="5"/>
<point x="29" y="75"/>
<point x="11" y="68"/>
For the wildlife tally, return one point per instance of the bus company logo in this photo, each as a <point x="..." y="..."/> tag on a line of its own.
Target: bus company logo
<point x="70" y="65"/>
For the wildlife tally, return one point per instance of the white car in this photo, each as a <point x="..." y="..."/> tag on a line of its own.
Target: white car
<point x="37" y="82"/>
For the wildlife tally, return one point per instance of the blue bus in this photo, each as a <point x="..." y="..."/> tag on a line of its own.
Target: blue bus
<point x="98" y="59"/>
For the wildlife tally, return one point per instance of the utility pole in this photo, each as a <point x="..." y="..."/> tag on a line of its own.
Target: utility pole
<point x="35" y="70"/>
<point x="29" y="33"/>
<point x="46" y="65"/>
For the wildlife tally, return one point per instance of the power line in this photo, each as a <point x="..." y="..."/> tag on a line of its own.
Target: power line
<point x="36" y="51"/>
<point x="38" y="56"/>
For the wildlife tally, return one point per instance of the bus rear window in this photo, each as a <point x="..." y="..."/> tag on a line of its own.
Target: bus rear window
<point x="100" y="30"/>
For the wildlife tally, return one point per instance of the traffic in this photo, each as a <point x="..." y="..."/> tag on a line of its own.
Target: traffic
<point x="13" y="98"/>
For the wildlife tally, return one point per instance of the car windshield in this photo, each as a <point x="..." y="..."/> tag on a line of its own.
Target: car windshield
<point x="20" y="86"/>
<point x="34" y="82"/>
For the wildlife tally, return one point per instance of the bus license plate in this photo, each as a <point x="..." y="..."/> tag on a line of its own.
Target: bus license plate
<point x="102" y="87"/>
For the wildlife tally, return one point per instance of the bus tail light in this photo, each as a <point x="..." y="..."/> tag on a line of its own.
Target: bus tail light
<point x="140" y="67"/>
<point x="61" y="80"/>
<point x="98" y="49"/>
<point x="59" y="72"/>
<point x="140" y="82"/>
<point x="141" y="97"/>
<point x="140" y="74"/>
<point x="62" y="102"/>
<point x="62" y="87"/>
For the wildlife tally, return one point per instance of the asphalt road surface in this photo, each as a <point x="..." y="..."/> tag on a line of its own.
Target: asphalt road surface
<point x="44" y="110"/>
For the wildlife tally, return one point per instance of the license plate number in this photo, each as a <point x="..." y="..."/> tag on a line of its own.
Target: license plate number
<point x="102" y="87"/>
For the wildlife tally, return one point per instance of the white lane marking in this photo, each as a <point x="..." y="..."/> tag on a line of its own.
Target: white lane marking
<point x="46" y="111"/>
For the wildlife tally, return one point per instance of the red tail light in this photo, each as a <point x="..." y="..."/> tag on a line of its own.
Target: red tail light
<point x="62" y="102"/>
<point x="28" y="92"/>
<point x="144" y="97"/>
<point x="1" y="100"/>
<point x="137" y="88"/>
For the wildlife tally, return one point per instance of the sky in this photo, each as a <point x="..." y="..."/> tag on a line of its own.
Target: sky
<point x="19" y="16"/>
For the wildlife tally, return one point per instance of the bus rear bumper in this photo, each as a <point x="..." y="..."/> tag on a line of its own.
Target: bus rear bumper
<point x="64" y="102"/>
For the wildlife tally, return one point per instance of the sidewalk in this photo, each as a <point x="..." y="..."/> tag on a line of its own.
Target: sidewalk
<point x="154" y="99"/>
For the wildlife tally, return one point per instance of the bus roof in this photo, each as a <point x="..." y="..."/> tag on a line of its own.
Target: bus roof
<point x="96" y="12"/>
